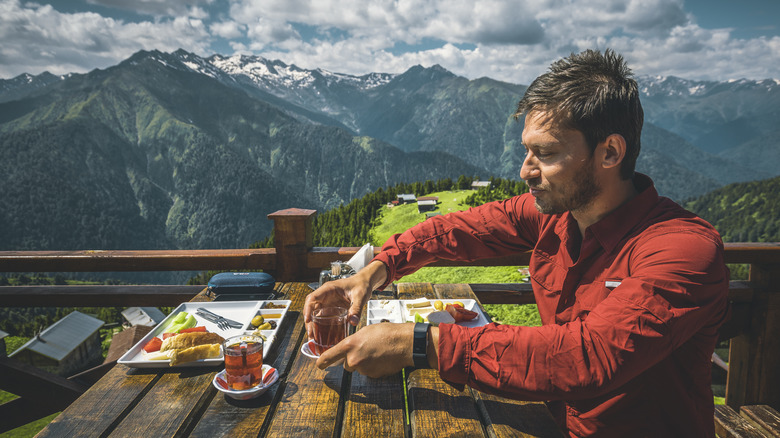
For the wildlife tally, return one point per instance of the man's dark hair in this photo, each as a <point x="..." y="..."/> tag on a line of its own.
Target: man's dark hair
<point x="594" y="94"/>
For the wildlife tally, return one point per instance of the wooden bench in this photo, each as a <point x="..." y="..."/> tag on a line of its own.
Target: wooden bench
<point x="758" y="421"/>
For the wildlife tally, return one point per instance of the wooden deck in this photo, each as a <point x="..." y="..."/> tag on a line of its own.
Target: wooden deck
<point x="753" y="331"/>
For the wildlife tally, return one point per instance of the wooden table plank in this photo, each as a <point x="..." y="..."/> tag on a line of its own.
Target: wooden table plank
<point x="375" y="406"/>
<point x="310" y="403"/>
<point x="103" y="405"/>
<point x="305" y="402"/>
<point x="504" y="417"/>
<point x="764" y="417"/>
<point x="170" y="406"/>
<point x="454" y="412"/>
<point x="237" y="418"/>
<point x="728" y="424"/>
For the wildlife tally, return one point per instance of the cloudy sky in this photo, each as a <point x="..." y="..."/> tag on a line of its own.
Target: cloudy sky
<point x="510" y="40"/>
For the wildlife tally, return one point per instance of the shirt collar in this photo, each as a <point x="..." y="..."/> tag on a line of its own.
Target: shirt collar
<point x="610" y="230"/>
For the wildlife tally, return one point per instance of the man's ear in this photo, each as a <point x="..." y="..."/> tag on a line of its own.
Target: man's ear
<point x="612" y="151"/>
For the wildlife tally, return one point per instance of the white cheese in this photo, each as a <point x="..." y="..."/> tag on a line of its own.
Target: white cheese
<point x="440" y="316"/>
<point x="420" y="302"/>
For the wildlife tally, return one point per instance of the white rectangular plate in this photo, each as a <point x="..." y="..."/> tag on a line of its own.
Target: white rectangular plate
<point x="241" y="311"/>
<point x="395" y="311"/>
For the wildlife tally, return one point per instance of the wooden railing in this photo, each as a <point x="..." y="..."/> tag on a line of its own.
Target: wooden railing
<point x="753" y="330"/>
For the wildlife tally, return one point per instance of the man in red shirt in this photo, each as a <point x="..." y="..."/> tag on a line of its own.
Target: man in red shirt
<point x="631" y="288"/>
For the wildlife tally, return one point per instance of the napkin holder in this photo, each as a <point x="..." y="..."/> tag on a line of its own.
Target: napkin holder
<point x="241" y="286"/>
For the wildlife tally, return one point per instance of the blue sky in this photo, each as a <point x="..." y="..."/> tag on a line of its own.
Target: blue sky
<point x="513" y="41"/>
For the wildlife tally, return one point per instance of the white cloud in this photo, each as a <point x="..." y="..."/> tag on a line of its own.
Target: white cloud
<point x="155" y="7"/>
<point x="228" y="29"/>
<point x="37" y="38"/>
<point x="511" y="41"/>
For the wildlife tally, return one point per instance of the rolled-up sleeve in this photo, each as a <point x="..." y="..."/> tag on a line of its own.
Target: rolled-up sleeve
<point x="490" y="230"/>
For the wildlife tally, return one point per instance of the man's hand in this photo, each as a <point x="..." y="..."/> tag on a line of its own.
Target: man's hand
<point x="375" y="351"/>
<point x="352" y="292"/>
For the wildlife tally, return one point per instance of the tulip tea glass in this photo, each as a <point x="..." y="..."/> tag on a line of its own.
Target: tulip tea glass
<point x="243" y="361"/>
<point x="330" y="327"/>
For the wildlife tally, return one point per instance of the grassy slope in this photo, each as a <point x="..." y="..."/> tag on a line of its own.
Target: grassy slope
<point x="397" y="219"/>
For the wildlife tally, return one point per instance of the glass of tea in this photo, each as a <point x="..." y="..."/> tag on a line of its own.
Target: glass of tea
<point x="243" y="361"/>
<point x="330" y="327"/>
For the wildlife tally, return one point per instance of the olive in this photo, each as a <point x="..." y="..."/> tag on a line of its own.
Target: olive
<point x="258" y="320"/>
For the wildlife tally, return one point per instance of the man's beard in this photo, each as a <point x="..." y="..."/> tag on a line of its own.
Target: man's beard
<point x="579" y="194"/>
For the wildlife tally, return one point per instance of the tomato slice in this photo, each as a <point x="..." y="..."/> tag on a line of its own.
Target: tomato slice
<point x="201" y="328"/>
<point x="168" y="335"/>
<point x="460" y="314"/>
<point x="153" y="345"/>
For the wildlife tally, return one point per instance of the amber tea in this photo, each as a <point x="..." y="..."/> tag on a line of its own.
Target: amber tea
<point x="330" y="327"/>
<point x="243" y="361"/>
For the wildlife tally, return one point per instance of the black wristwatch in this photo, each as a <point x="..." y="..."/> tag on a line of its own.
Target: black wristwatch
<point x="420" y="345"/>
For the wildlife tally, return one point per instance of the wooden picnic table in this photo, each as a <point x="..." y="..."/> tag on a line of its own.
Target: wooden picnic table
<point x="305" y="401"/>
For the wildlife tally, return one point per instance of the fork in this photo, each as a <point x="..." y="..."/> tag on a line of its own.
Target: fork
<point x="221" y="322"/>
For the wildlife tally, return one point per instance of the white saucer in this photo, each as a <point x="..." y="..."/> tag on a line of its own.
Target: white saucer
<point x="307" y="351"/>
<point x="246" y="394"/>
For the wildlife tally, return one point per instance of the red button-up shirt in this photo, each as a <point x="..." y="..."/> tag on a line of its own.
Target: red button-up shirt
<point x="630" y="312"/>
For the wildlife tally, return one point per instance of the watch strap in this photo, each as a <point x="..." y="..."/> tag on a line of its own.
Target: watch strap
<point x="420" y="345"/>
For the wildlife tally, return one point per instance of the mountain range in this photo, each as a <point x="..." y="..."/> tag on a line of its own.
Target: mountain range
<point x="174" y="150"/>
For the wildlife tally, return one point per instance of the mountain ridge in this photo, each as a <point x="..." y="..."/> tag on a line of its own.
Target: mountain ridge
<point x="199" y="154"/>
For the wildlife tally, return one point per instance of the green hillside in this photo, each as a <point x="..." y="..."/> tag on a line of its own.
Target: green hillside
<point x="743" y="212"/>
<point x="399" y="218"/>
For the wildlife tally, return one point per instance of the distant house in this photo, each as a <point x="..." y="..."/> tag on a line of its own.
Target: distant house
<point x="66" y="347"/>
<point x="150" y="316"/>
<point x="406" y="198"/>
<point x="479" y="184"/>
<point x="426" y="205"/>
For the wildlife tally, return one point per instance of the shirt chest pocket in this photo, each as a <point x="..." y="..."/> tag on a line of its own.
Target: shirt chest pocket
<point x="591" y="294"/>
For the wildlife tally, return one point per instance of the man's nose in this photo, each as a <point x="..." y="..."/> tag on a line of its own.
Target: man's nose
<point x="529" y="170"/>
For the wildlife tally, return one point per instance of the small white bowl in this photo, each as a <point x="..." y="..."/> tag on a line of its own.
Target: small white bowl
<point x="246" y="394"/>
<point x="306" y="350"/>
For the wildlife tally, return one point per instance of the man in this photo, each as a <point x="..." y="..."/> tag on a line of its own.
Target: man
<point x="631" y="288"/>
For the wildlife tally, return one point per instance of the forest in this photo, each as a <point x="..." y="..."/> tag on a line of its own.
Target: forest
<point x="744" y="212"/>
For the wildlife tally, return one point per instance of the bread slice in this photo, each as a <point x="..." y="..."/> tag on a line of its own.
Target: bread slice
<point x="192" y="354"/>
<point x="187" y="340"/>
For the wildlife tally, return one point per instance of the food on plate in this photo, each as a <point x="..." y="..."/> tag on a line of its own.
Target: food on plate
<point x="274" y="306"/>
<point x="158" y="355"/>
<point x="440" y="316"/>
<point x="180" y="321"/>
<point x="265" y="326"/>
<point x="153" y="345"/>
<point x="421" y="312"/>
<point x="459" y="313"/>
<point x="191" y="354"/>
<point x="438" y="305"/>
<point x="258" y="320"/>
<point x="273" y="315"/>
<point x="201" y="329"/>
<point x="187" y="340"/>
<point x="419" y="302"/>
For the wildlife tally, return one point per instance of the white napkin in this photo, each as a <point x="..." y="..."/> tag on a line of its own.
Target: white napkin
<point x="361" y="258"/>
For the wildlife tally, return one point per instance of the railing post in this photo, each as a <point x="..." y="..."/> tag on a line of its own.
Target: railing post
<point x="754" y="356"/>
<point x="293" y="240"/>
